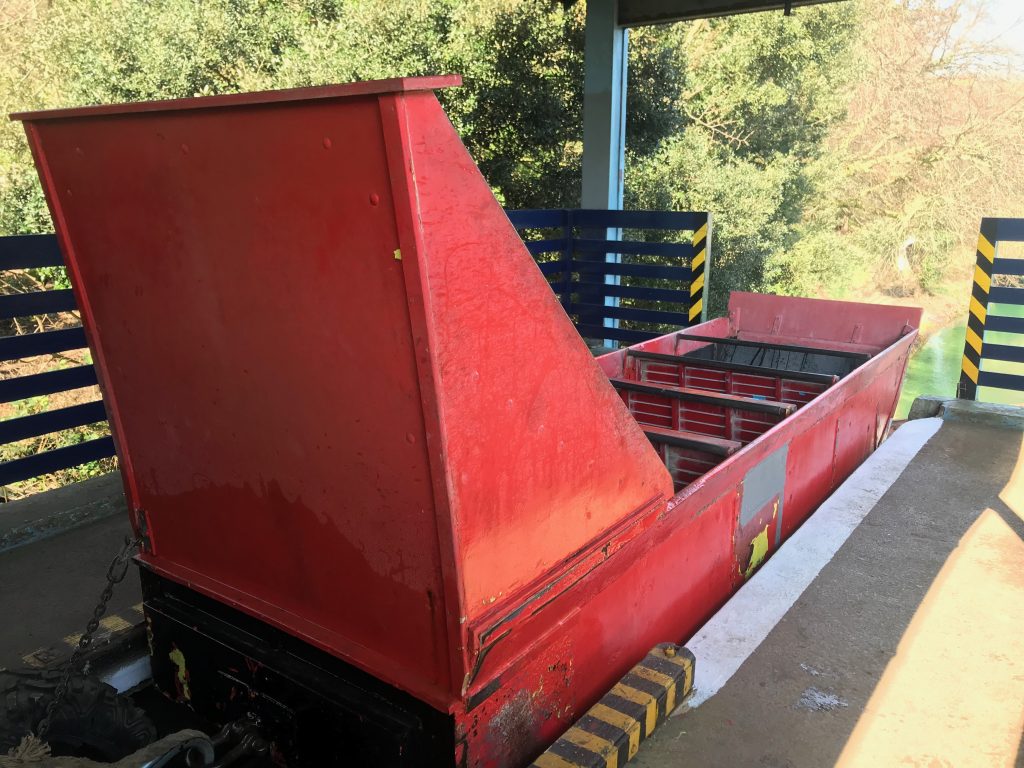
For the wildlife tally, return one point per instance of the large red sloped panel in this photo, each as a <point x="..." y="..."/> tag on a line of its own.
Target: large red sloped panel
<point x="541" y="454"/>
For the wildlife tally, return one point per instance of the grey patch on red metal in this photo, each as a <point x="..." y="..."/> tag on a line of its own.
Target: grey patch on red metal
<point x="762" y="484"/>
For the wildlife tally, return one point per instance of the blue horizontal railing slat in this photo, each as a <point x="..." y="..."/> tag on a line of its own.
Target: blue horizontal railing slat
<point x="590" y="311"/>
<point x="618" y="334"/>
<point x="59" y="458"/>
<point x="632" y="270"/>
<point x="552" y="267"/>
<point x="1000" y="295"/>
<point x="1000" y="380"/>
<point x="632" y="292"/>
<point x="599" y="219"/>
<point x="47" y="383"/>
<point x="37" y="303"/>
<point x="1010" y="229"/>
<point x="44" y="423"/>
<point x="543" y="218"/>
<point x="29" y="252"/>
<point x="45" y="343"/>
<point x="635" y="248"/>
<point x="1008" y="266"/>
<point x="1005" y="352"/>
<point x="1003" y="324"/>
<point x="536" y="247"/>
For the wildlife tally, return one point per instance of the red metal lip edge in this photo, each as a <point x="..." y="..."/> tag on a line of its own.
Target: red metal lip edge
<point x="529" y="600"/>
<point x="363" y="88"/>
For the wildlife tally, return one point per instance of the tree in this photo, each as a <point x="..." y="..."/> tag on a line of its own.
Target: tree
<point x="761" y="93"/>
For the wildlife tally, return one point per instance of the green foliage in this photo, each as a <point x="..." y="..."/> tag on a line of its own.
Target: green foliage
<point x="760" y="95"/>
<point x="738" y="115"/>
<point x="519" y="111"/>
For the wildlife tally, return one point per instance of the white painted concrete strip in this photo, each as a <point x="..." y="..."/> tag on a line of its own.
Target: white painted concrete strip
<point x="732" y="634"/>
<point x="129" y="675"/>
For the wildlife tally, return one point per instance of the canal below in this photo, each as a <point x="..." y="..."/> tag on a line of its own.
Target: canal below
<point x="935" y="368"/>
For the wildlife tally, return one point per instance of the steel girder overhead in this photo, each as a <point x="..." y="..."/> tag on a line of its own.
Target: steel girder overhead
<point x="636" y="13"/>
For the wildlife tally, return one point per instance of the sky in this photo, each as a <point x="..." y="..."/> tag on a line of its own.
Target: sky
<point x="1005" y="24"/>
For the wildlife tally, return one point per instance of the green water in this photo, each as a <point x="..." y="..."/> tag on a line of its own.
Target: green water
<point x="935" y="369"/>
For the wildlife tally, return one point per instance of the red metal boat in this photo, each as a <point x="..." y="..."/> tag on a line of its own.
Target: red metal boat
<point x="372" y="514"/>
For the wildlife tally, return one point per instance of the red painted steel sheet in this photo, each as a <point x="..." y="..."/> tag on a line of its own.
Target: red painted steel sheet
<point x="308" y="314"/>
<point x="323" y="417"/>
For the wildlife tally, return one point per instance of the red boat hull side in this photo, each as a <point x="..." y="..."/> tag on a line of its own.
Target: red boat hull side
<point x="689" y="559"/>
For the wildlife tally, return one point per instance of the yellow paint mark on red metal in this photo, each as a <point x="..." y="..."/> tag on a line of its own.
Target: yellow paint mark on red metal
<point x="178" y="660"/>
<point x="759" y="550"/>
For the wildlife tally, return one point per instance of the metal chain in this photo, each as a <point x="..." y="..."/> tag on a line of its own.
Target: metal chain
<point x="115" y="575"/>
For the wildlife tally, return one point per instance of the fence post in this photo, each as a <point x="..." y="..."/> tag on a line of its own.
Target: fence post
<point x="977" y="311"/>
<point x="699" y="273"/>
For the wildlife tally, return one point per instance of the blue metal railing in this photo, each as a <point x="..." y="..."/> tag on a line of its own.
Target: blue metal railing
<point x="981" y="354"/>
<point x="28" y="252"/>
<point x="622" y="288"/>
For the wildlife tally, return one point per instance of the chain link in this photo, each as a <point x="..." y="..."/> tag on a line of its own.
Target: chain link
<point x="115" y="575"/>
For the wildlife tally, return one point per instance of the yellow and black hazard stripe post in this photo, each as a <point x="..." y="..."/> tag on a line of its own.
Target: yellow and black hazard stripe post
<point x="978" y="311"/>
<point x="699" y="273"/>
<point x="609" y="734"/>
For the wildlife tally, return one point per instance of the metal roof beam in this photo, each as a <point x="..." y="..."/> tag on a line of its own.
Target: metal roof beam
<point x="637" y="13"/>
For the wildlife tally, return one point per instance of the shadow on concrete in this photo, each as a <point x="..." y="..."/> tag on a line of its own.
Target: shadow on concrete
<point x="837" y="680"/>
<point x="52" y="579"/>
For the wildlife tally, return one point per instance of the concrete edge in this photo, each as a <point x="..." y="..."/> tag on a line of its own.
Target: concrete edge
<point x="968" y="412"/>
<point x="729" y="637"/>
<point x="49" y="513"/>
<point x="610" y="732"/>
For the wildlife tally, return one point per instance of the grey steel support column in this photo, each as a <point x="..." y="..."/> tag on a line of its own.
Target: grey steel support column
<point x="604" y="106"/>
<point x="604" y="119"/>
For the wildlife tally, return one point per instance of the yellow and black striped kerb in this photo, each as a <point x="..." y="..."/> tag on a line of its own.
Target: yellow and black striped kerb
<point x="977" y="312"/>
<point x="610" y="733"/>
<point x="698" y="274"/>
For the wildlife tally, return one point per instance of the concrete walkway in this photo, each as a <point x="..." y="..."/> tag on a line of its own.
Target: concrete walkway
<point x="906" y="648"/>
<point x="52" y="578"/>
